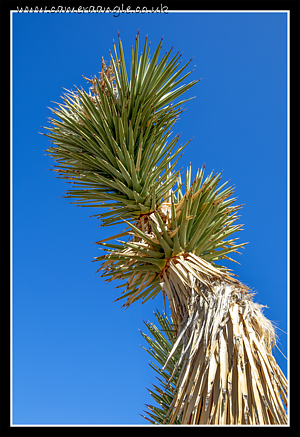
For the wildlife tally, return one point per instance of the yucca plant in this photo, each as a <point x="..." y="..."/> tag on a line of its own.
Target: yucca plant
<point x="114" y="145"/>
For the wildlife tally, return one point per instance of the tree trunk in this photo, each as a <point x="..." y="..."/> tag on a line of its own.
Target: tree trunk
<point x="228" y="375"/>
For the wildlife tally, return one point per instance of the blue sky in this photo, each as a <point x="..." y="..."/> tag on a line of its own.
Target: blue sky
<point x="76" y="355"/>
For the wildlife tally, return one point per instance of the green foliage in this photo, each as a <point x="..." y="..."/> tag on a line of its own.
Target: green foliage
<point x="113" y="143"/>
<point x="200" y="221"/>
<point x="205" y="218"/>
<point x="161" y="343"/>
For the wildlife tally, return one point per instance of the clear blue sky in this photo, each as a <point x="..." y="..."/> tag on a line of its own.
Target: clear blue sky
<point x="76" y="355"/>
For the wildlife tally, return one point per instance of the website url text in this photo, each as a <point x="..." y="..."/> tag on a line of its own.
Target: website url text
<point x="116" y="10"/>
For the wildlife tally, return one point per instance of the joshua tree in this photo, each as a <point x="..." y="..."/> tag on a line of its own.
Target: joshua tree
<point x="113" y="144"/>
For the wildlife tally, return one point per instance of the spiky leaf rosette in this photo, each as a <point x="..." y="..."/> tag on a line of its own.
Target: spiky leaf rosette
<point x="113" y="142"/>
<point x="199" y="222"/>
<point x="161" y="342"/>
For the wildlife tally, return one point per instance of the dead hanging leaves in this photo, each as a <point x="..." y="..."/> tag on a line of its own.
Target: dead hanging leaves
<point x="228" y="373"/>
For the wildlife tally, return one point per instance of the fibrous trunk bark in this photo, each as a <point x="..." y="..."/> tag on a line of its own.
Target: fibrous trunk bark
<point x="228" y="372"/>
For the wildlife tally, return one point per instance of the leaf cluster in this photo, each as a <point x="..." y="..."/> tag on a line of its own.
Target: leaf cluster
<point x="198" y="222"/>
<point x="113" y="142"/>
